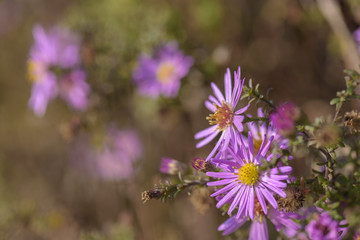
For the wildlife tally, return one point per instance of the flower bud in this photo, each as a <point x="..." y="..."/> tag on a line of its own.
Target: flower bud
<point x="170" y="166"/>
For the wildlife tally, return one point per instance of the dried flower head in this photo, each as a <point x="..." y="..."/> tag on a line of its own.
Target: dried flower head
<point x="352" y="121"/>
<point x="327" y="135"/>
<point x="154" y="193"/>
<point x="294" y="199"/>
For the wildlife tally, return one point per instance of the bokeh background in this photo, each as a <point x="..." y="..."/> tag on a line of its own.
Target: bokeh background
<point x="292" y="47"/>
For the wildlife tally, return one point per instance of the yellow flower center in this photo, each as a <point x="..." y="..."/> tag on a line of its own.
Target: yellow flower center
<point x="223" y="116"/>
<point x="164" y="72"/>
<point x="248" y="174"/>
<point x="35" y="71"/>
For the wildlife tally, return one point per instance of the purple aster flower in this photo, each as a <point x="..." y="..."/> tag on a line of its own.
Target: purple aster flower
<point x="324" y="227"/>
<point x="260" y="129"/>
<point x="161" y="73"/>
<point x="283" y="119"/>
<point x="244" y="179"/>
<point x="74" y="89"/>
<point x="225" y="118"/>
<point x="170" y="166"/>
<point x="56" y="49"/>
<point x="259" y="230"/>
<point x="116" y="159"/>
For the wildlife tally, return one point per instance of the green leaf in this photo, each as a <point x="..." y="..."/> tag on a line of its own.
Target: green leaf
<point x="334" y="101"/>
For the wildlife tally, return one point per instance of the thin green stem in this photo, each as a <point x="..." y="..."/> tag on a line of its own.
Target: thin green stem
<point x="255" y="119"/>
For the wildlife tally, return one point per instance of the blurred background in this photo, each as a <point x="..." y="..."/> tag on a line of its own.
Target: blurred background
<point x="46" y="188"/>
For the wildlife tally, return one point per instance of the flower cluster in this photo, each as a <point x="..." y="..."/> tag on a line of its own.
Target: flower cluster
<point x="250" y="187"/>
<point x="248" y="172"/>
<point x="54" y="70"/>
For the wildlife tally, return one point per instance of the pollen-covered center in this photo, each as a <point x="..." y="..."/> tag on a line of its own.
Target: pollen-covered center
<point x="165" y="72"/>
<point x="248" y="174"/>
<point x="223" y="116"/>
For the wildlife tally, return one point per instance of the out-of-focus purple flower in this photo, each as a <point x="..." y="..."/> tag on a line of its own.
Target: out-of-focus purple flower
<point x="160" y="74"/>
<point x="42" y="92"/>
<point x="259" y="230"/>
<point x="225" y="118"/>
<point x="324" y="227"/>
<point x="53" y="69"/>
<point x="74" y="89"/>
<point x="116" y="159"/>
<point x="283" y="119"/>
<point x="170" y="166"/>
<point x="244" y="180"/>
